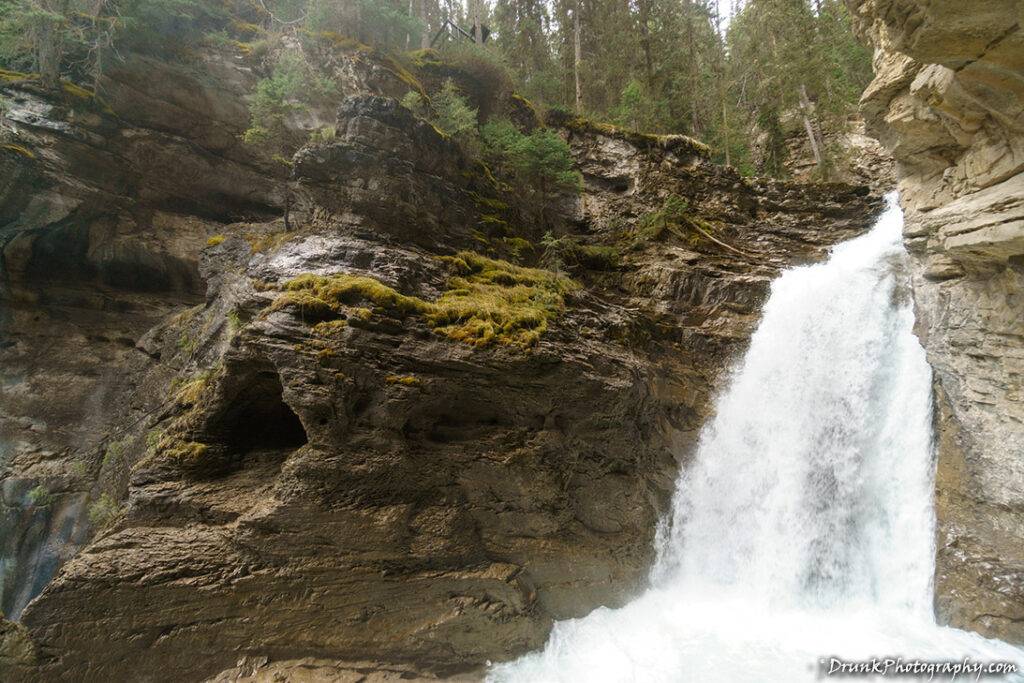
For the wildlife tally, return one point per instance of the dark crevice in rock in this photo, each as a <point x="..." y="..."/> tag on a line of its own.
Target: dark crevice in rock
<point x="253" y="414"/>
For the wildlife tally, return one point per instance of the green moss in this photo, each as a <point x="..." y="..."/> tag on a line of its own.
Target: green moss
<point x="263" y="242"/>
<point x="186" y="343"/>
<point x="491" y="203"/>
<point x="40" y="497"/>
<point x="186" y="454"/>
<point x="675" y="143"/>
<point x="404" y="380"/>
<point x="403" y="74"/>
<point x="517" y="245"/>
<point x="329" y="327"/>
<point x="103" y="512"/>
<point x="494" y="225"/>
<point x="114" y="454"/>
<point x="568" y="252"/>
<point x="492" y="301"/>
<point x="323" y="294"/>
<point x="78" y="92"/>
<point x="363" y="314"/>
<point x="18" y="149"/>
<point x="487" y="301"/>
<point x="343" y="42"/>
<point x="526" y="104"/>
<point x="215" y="240"/>
<point x="189" y="392"/>
<point x="426" y="57"/>
<point x="153" y="438"/>
<point x="247" y="29"/>
<point x="16" y="76"/>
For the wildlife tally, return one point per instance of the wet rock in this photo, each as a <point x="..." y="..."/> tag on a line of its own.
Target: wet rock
<point x="948" y="101"/>
<point x="308" y="484"/>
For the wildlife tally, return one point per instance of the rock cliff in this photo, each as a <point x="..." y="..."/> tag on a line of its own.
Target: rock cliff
<point x="948" y="101"/>
<point x="384" y="441"/>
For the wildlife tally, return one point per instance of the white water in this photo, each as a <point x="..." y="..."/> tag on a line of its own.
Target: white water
<point x="804" y="527"/>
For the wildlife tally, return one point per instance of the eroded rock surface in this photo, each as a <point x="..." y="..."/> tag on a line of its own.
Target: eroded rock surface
<point x="339" y="486"/>
<point x="948" y="101"/>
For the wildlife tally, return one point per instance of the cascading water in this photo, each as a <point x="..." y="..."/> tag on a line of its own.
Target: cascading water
<point x="804" y="528"/>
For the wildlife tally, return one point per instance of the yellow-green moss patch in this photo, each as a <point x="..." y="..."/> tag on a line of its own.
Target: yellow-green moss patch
<point x="188" y="393"/>
<point x="322" y="294"/>
<point x="262" y="242"/>
<point x="18" y="149"/>
<point x="404" y="380"/>
<point x="188" y="454"/>
<point x="214" y="240"/>
<point x="492" y="301"/>
<point x="487" y="301"/>
<point x="16" y="76"/>
<point x="329" y="327"/>
<point x="674" y="143"/>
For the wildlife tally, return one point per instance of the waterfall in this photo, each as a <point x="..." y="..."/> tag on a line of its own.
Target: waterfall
<point x="804" y="529"/>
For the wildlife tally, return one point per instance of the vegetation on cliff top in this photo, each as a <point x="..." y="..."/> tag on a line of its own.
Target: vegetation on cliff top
<point x="774" y="70"/>
<point x="487" y="301"/>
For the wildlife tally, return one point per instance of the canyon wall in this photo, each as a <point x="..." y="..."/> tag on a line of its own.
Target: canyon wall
<point x="289" y="460"/>
<point x="948" y="102"/>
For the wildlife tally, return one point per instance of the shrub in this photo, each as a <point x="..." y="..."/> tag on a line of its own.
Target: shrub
<point x="103" y="512"/>
<point x="40" y="497"/>
<point x="483" y="66"/>
<point x="544" y="161"/>
<point x="639" y="109"/>
<point x="673" y="213"/>
<point x="540" y="163"/>
<point x="452" y="113"/>
<point x="113" y="455"/>
<point x="275" y="99"/>
<point x="414" y="102"/>
<point x="567" y="252"/>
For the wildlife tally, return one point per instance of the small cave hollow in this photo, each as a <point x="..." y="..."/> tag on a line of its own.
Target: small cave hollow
<point x="256" y="416"/>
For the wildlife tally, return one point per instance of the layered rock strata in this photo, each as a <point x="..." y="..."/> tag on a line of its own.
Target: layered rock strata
<point x="293" y="461"/>
<point x="948" y="101"/>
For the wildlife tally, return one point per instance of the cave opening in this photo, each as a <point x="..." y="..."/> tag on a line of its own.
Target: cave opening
<point x="256" y="417"/>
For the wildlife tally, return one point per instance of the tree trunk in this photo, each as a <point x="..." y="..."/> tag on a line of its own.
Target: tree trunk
<point x="48" y="54"/>
<point x="425" y="36"/>
<point x="812" y="133"/>
<point x="695" y="127"/>
<point x="725" y="132"/>
<point x="287" y="208"/>
<point x="645" y="40"/>
<point x="478" y="29"/>
<point x="577" y="55"/>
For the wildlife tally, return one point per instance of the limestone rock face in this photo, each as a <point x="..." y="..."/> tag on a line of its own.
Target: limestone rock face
<point x="284" y="484"/>
<point x="948" y="101"/>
